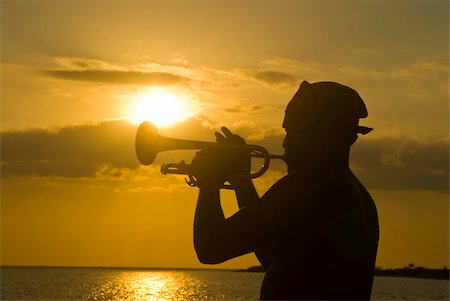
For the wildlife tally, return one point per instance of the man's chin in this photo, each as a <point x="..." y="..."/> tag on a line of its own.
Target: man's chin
<point x="291" y="167"/>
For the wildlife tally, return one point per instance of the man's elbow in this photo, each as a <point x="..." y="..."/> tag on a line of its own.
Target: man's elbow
<point x="208" y="259"/>
<point x="207" y="254"/>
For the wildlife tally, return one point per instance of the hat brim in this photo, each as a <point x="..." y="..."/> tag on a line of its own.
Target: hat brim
<point x="363" y="130"/>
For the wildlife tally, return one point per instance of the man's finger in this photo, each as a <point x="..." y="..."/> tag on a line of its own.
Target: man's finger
<point x="227" y="132"/>
<point x="220" y="138"/>
<point x="230" y="137"/>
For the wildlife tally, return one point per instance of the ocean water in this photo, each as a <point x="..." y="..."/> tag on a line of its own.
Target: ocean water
<point x="26" y="283"/>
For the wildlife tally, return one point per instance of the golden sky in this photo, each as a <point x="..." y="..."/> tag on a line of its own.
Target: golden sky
<point x="78" y="76"/>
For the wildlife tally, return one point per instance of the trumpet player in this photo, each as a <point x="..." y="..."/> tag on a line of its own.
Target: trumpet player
<point x="315" y="231"/>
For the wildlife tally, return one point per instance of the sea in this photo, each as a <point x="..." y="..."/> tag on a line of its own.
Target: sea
<point x="57" y="283"/>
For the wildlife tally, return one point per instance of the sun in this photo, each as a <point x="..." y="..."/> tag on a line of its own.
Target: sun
<point x="160" y="106"/>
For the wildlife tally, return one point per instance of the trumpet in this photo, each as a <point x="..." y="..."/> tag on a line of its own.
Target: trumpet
<point x="149" y="143"/>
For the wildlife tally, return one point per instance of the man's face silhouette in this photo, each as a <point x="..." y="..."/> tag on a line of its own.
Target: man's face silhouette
<point x="302" y="144"/>
<point x="321" y="121"/>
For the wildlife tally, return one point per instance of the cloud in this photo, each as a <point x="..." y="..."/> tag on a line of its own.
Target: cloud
<point x="70" y="151"/>
<point x="120" y="77"/>
<point x="93" y="70"/>
<point x="83" y="64"/>
<point x="278" y="68"/>
<point x="244" y="109"/>
<point x="255" y="133"/>
<point x="401" y="163"/>
<point x="425" y="70"/>
<point x="277" y="72"/>
<point x="106" y="151"/>
<point x="274" y="77"/>
<point x="422" y="70"/>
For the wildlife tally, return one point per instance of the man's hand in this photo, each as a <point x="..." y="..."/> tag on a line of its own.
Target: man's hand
<point x="208" y="168"/>
<point x="213" y="166"/>
<point x="238" y="160"/>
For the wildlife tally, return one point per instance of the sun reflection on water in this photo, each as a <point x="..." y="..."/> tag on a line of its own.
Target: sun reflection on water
<point x="155" y="287"/>
<point x="150" y="285"/>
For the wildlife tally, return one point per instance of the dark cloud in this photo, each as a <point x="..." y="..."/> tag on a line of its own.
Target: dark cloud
<point x="274" y="77"/>
<point x="244" y="109"/>
<point x="80" y="150"/>
<point x="119" y="77"/>
<point x="394" y="163"/>
<point x="72" y="151"/>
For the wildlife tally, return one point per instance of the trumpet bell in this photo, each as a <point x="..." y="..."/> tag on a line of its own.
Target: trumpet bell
<point x="146" y="148"/>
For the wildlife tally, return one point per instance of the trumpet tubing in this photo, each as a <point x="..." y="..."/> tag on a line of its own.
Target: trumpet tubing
<point x="149" y="143"/>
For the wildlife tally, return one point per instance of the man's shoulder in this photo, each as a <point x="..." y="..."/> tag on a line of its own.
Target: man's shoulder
<point x="296" y="181"/>
<point x="293" y="187"/>
<point x="294" y="195"/>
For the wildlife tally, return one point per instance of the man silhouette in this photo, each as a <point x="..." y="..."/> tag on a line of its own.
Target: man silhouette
<point x="315" y="231"/>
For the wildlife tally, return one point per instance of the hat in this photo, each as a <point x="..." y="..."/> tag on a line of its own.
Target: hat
<point x="327" y="103"/>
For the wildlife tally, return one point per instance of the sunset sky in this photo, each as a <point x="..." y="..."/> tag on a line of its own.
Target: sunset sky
<point x="77" y="77"/>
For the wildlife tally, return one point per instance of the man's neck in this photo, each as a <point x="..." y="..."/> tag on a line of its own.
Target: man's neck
<point x="316" y="163"/>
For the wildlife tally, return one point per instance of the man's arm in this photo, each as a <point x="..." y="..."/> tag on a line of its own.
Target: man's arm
<point x="245" y="192"/>
<point x="246" y="195"/>
<point x="217" y="239"/>
<point x="208" y="221"/>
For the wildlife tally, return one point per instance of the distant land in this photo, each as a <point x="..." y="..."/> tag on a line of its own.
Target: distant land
<point x="408" y="271"/>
